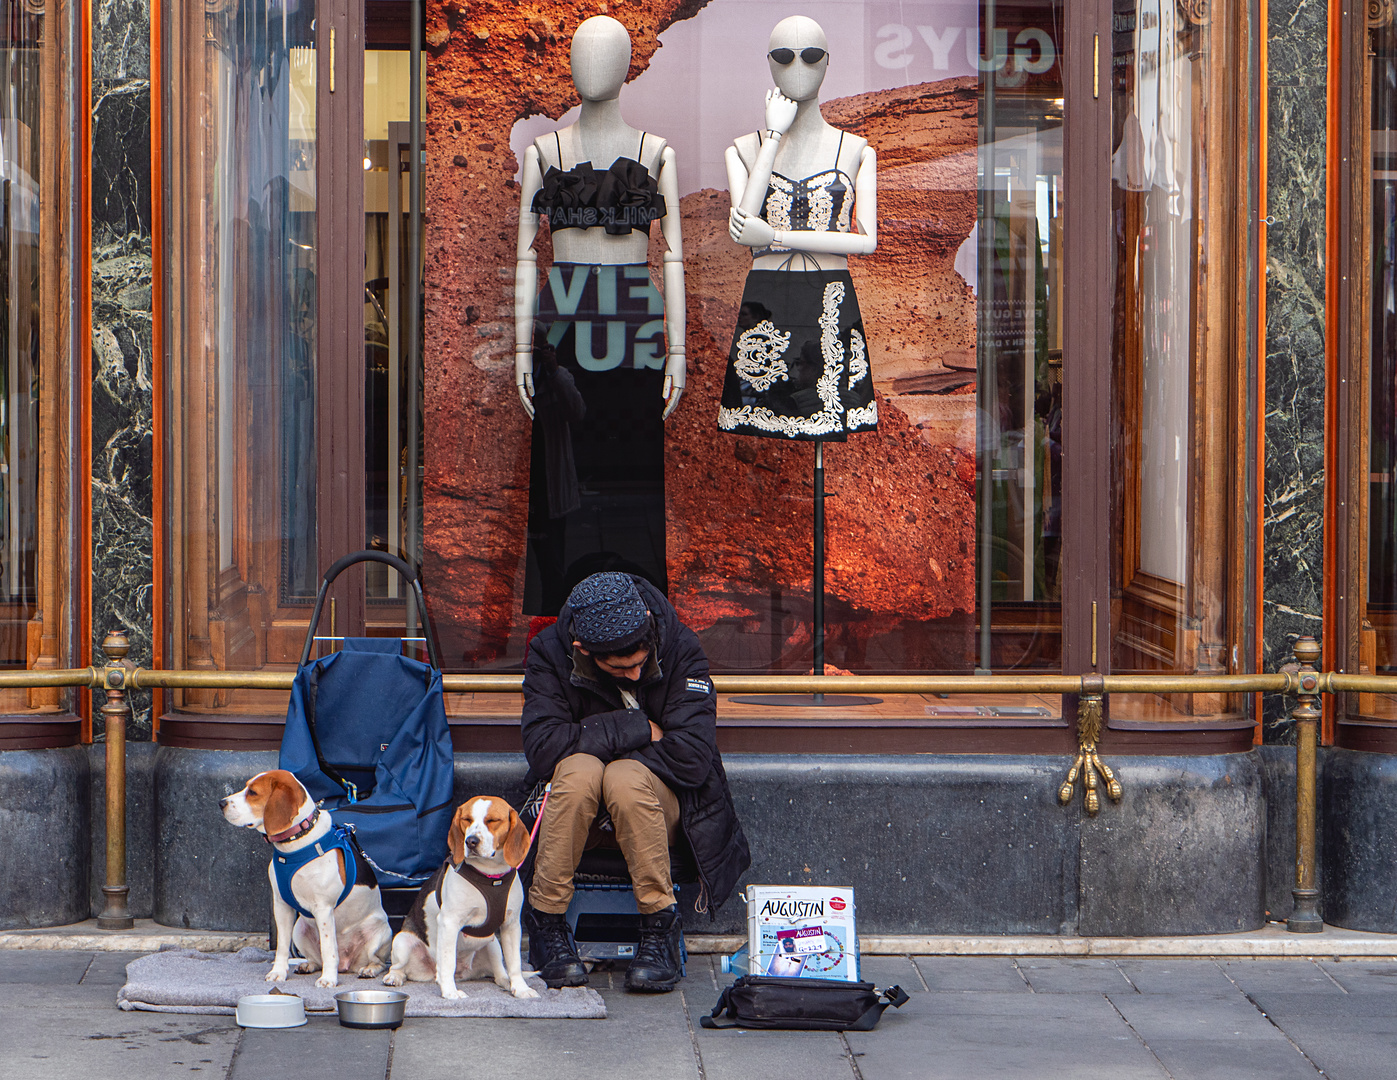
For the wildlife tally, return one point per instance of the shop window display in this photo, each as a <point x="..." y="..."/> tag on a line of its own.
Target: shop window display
<point x="591" y="388"/>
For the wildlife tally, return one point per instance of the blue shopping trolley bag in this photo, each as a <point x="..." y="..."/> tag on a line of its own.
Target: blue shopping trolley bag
<point x="366" y="734"/>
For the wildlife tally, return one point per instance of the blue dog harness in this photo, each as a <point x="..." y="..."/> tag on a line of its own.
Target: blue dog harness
<point x="286" y="864"/>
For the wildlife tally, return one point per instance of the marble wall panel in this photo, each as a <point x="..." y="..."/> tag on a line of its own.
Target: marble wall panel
<point x="122" y="590"/>
<point x="1293" y="510"/>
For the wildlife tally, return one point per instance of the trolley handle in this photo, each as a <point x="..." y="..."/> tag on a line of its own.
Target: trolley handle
<point x="410" y="576"/>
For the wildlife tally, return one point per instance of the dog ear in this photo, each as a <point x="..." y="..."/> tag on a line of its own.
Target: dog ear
<point x="456" y="838"/>
<point x="516" y="841"/>
<point x="280" y="812"/>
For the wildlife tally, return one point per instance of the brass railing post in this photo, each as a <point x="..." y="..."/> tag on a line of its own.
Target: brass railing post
<point x="1305" y="917"/>
<point x="116" y="915"/>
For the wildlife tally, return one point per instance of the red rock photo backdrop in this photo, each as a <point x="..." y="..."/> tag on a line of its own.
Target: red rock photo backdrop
<point x="900" y="575"/>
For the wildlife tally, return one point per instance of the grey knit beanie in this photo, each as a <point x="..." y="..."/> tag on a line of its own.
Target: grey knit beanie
<point x="609" y="614"/>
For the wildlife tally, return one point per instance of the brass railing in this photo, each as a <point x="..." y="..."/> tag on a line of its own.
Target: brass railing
<point x="1300" y="680"/>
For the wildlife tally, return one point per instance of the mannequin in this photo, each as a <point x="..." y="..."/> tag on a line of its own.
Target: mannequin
<point x="805" y="197"/>
<point x="598" y="353"/>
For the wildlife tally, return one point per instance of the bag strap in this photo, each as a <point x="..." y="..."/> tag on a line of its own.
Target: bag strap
<point x="710" y="1021"/>
<point x="351" y="790"/>
<point x="893" y="995"/>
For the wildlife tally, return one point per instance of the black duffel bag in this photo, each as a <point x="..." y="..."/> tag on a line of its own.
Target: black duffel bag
<point x="766" y="1001"/>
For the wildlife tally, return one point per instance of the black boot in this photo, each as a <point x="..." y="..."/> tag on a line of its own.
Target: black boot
<point x="551" y="950"/>
<point x="656" y="965"/>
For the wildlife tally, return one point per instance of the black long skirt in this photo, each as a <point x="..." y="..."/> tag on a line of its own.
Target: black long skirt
<point x="596" y="470"/>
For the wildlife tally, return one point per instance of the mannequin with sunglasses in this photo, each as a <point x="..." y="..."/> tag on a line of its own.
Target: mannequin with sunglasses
<point x="610" y="346"/>
<point x="805" y="197"/>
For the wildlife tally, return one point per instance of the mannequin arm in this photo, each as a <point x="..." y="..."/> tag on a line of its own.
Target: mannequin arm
<point x="526" y="282"/>
<point x="675" y="315"/>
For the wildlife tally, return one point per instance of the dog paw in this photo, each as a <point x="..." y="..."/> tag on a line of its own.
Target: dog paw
<point x="371" y="971"/>
<point x="523" y="991"/>
<point x="450" y="993"/>
<point x="394" y="978"/>
<point x="276" y="975"/>
<point x="328" y="980"/>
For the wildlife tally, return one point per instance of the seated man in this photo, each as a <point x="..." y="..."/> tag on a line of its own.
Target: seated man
<point x="619" y="713"/>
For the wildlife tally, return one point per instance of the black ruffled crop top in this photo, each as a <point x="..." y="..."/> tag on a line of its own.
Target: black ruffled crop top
<point x="622" y="198"/>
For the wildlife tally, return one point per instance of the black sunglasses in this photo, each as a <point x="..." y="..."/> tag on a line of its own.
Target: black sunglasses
<point x="811" y="55"/>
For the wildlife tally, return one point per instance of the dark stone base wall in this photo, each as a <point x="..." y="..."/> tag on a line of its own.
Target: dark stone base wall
<point x="933" y="844"/>
<point x="1359" y="807"/>
<point x="44" y="801"/>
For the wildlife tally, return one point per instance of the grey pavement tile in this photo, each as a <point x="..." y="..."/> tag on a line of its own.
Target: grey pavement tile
<point x="951" y="1036"/>
<point x="109" y="968"/>
<point x="963" y="973"/>
<point x="1211" y="1059"/>
<point x="320" y="1050"/>
<point x="1177" y="976"/>
<point x="83" y="1043"/>
<point x="1363" y="976"/>
<point x="1286" y="976"/>
<point x="744" y="1055"/>
<point x="1211" y="1036"/>
<point x="890" y="970"/>
<point x="644" y="1037"/>
<point x="1351" y="1037"/>
<point x="24" y="996"/>
<point x="1059" y="975"/>
<point x="43" y="967"/>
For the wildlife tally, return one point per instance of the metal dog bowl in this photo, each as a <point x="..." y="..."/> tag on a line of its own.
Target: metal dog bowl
<point x="271" y="1011"/>
<point x="371" y="1008"/>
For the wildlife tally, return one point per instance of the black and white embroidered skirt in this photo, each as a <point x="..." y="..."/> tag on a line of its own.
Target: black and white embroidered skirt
<point x="798" y="367"/>
<point x="597" y="470"/>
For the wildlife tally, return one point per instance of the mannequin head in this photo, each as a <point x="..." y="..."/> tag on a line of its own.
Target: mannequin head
<point x="601" y="56"/>
<point x="798" y="80"/>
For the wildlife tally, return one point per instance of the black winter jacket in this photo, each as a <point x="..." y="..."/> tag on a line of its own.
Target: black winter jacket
<point x="571" y="708"/>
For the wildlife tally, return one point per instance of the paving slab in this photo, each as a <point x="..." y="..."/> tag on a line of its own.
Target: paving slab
<point x="83" y="1043"/>
<point x="1062" y="975"/>
<point x="891" y="970"/>
<point x="1177" y="976"/>
<point x="1350" y="1037"/>
<point x="644" y="1037"/>
<point x="44" y="969"/>
<point x="1280" y="976"/>
<point x="969" y="973"/>
<point x="739" y="1054"/>
<point x="1363" y="976"/>
<point x="106" y="969"/>
<point x="1212" y="1036"/>
<point x="951" y="1036"/>
<point x="321" y="1050"/>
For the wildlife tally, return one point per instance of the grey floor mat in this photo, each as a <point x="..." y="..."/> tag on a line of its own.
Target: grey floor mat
<point x="188" y="981"/>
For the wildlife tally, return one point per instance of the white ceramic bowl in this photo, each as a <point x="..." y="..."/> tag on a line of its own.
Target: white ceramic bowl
<point x="371" y="1008"/>
<point x="271" y="1011"/>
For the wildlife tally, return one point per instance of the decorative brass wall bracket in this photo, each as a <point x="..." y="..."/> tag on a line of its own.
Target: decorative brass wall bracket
<point x="1090" y="721"/>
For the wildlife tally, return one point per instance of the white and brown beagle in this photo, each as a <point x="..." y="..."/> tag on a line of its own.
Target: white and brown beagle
<point x="470" y="906"/>
<point x="342" y="926"/>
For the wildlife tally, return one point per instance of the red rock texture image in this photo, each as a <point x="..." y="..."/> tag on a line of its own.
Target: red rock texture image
<point x="900" y="564"/>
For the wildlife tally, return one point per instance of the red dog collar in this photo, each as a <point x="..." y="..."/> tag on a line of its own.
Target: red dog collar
<point x="296" y="831"/>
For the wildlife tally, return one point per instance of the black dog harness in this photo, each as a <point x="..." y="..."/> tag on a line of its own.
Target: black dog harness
<point x="495" y="889"/>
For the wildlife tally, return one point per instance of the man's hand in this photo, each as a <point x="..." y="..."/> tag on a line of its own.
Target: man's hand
<point x="655" y="733"/>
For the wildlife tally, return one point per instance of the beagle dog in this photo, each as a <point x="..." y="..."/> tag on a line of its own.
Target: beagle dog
<point x="470" y="906"/>
<point x="342" y="926"/>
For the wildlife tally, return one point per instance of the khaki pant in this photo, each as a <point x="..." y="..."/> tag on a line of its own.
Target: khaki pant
<point x="644" y="812"/>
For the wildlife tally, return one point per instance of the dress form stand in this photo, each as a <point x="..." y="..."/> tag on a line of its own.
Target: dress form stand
<point x="817" y="597"/>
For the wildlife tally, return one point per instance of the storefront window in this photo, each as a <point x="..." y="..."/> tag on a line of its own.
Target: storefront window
<point x="1177" y="488"/>
<point x="944" y="520"/>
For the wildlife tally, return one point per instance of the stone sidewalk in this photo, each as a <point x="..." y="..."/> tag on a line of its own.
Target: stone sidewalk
<point x="1043" y="1017"/>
